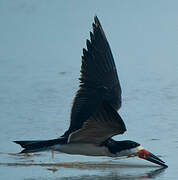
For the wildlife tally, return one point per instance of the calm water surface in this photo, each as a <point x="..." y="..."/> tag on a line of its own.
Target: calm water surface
<point x="41" y="44"/>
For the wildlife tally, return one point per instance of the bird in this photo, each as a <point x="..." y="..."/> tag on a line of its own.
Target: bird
<point x="94" y="118"/>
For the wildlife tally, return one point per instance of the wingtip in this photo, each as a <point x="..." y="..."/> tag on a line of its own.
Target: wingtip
<point x="97" y="25"/>
<point x="97" y="22"/>
<point x="95" y="17"/>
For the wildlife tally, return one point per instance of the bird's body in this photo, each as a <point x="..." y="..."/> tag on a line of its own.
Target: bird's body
<point x="110" y="147"/>
<point x="94" y="116"/>
<point x="87" y="149"/>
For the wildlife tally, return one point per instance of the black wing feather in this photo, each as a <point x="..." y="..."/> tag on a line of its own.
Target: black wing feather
<point x="98" y="81"/>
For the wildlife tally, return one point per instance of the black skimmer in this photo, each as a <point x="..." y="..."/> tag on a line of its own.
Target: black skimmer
<point x="94" y="116"/>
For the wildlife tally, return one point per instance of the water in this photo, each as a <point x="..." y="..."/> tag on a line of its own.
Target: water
<point x="41" y="44"/>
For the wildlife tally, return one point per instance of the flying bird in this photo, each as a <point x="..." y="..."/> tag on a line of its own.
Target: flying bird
<point x="94" y="118"/>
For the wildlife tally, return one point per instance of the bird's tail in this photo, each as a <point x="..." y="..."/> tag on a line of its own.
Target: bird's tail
<point x="39" y="145"/>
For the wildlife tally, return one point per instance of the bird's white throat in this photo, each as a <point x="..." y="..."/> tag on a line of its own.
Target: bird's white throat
<point x="129" y="152"/>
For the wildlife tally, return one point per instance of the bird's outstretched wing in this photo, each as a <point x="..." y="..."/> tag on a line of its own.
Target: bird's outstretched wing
<point x="102" y="125"/>
<point x="98" y="81"/>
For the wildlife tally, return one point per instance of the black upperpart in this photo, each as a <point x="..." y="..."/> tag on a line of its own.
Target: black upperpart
<point x="117" y="146"/>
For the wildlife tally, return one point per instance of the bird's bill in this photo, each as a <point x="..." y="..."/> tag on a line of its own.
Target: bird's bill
<point x="144" y="154"/>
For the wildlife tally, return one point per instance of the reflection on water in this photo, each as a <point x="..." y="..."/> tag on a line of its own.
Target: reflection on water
<point x="115" y="176"/>
<point x="80" y="165"/>
<point x="106" y="170"/>
<point x="57" y="169"/>
<point x="110" y="176"/>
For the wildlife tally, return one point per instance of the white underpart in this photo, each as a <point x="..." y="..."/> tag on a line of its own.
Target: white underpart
<point x="82" y="149"/>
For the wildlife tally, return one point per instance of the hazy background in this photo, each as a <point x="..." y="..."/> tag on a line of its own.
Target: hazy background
<point x="40" y="56"/>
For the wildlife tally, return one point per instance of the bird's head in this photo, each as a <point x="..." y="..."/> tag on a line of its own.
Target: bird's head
<point x="133" y="149"/>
